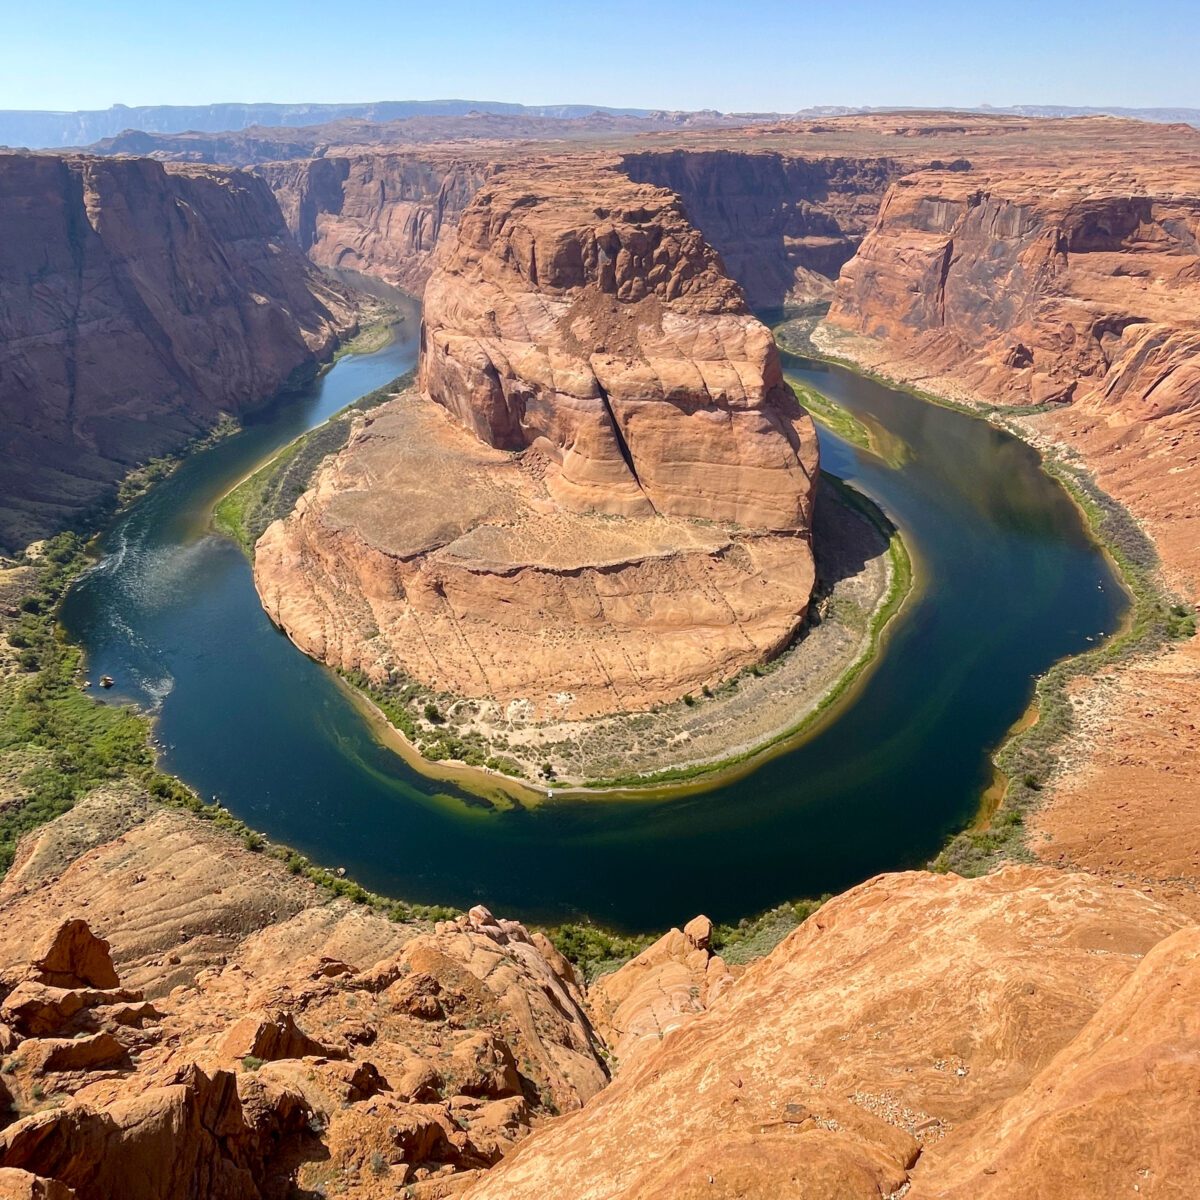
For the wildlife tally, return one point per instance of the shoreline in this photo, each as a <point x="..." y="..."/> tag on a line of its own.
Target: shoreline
<point x="1029" y="757"/>
<point x="175" y="793"/>
<point x="397" y="727"/>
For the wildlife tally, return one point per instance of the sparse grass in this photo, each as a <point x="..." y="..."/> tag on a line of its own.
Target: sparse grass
<point x="244" y="513"/>
<point x="1028" y="759"/>
<point x="752" y="937"/>
<point x="901" y="582"/>
<point x="139" y="481"/>
<point x="597" y="951"/>
<point x="834" y="417"/>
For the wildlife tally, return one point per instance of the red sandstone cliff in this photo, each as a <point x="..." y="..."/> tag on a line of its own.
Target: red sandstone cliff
<point x="783" y="224"/>
<point x="136" y="303"/>
<point x="609" y="505"/>
<point x="1030" y="288"/>
<point x="377" y="212"/>
<point x="237" y="1035"/>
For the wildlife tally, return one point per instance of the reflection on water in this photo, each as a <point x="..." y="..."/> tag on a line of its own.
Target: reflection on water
<point x="1014" y="584"/>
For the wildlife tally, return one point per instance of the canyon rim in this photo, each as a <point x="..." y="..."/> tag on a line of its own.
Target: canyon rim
<point x="605" y="546"/>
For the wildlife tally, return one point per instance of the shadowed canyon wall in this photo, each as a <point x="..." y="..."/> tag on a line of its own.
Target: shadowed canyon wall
<point x="377" y="213"/>
<point x="783" y="224"/>
<point x="137" y="302"/>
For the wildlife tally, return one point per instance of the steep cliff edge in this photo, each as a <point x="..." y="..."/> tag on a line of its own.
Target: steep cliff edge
<point x="377" y="212"/>
<point x="784" y="224"/>
<point x="137" y="302"/>
<point x="235" y="1033"/>
<point x="1082" y="295"/>
<point x="607" y="505"/>
<point x="919" y="1035"/>
<point x="1031" y="290"/>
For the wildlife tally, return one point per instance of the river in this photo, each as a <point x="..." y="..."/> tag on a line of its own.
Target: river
<point x="1011" y="582"/>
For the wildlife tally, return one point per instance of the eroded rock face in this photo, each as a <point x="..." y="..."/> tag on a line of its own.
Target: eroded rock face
<point x="845" y="1062"/>
<point x="636" y="1006"/>
<point x="283" y="1062"/>
<point x="377" y="212"/>
<point x="136" y="304"/>
<point x="608" y="506"/>
<point x="586" y="317"/>
<point x="784" y="224"/>
<point x="1032" y="289"/>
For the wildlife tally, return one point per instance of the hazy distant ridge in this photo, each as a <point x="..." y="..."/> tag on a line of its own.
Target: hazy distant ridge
<point x="40" y="130"/>
<point x="44" y="130"/>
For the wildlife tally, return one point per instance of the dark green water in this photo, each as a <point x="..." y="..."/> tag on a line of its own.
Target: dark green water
<point x="1012" y="583"/>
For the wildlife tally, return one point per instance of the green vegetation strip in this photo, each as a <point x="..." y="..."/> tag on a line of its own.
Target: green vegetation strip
<point x="272" y="491"/>
<point x="901" y="581"/>
<point x="597" y="951"/>
<point x="72" y="744"/>
<point x="834" y="417"/>
<point x="1028" y="758"/>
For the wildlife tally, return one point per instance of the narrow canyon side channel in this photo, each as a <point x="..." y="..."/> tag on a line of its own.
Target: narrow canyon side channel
<point x="1008" y="583"/>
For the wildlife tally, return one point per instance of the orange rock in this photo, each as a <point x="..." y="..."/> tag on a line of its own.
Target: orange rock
<point x="906" y="1007"/>
<point x="271" y="1038"/>
<point x="87" y="1053"/>
<point x="181" y="295"/>
<point x="21" y="1185"/>
<point x="72" y="956"/>
<point x="641" y="1002"/>
<point x="1112" y="1114"/>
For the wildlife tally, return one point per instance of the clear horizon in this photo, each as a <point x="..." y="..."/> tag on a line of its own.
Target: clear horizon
<point x="676" y="56"/>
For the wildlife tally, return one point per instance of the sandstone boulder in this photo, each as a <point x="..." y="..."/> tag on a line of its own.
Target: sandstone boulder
<point x="269" y="1038"/>
<point x="73" y="956"/>
<point x="21" y="1185"/>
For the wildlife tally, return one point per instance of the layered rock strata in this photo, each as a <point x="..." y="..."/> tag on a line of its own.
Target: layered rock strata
<point x="784" y="224"/>
<point x="377" y="212"/>
<point x="607" y="505"/>
<point x="315" y="1043"/>
<point x="1081" y="295"/>
<point x="920" y="1035"/>
<point x="136" y="304"/>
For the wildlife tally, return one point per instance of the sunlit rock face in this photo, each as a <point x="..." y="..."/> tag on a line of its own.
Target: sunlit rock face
<point x="601" y="497"/>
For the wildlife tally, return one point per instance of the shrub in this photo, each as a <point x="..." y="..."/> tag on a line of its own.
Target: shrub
<point x="433" y="714"/>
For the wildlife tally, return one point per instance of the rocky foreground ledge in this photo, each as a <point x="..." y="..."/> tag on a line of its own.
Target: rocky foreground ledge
<point x="233" y="1034"/>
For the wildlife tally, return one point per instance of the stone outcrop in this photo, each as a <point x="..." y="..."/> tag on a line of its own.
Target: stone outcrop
<point x="1075" y="287"/>
<point x="1031" y="1030"/>
<point x="895" y="1039"/>
<point x="608" y="506"/>
<point x="280" y="1063"/>
<point x="652" y="994"/>
<point x="587" y="318"/>
<point x="137" y="303"/>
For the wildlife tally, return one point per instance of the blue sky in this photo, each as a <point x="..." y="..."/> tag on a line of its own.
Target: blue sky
<point x="660" y="53"/>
